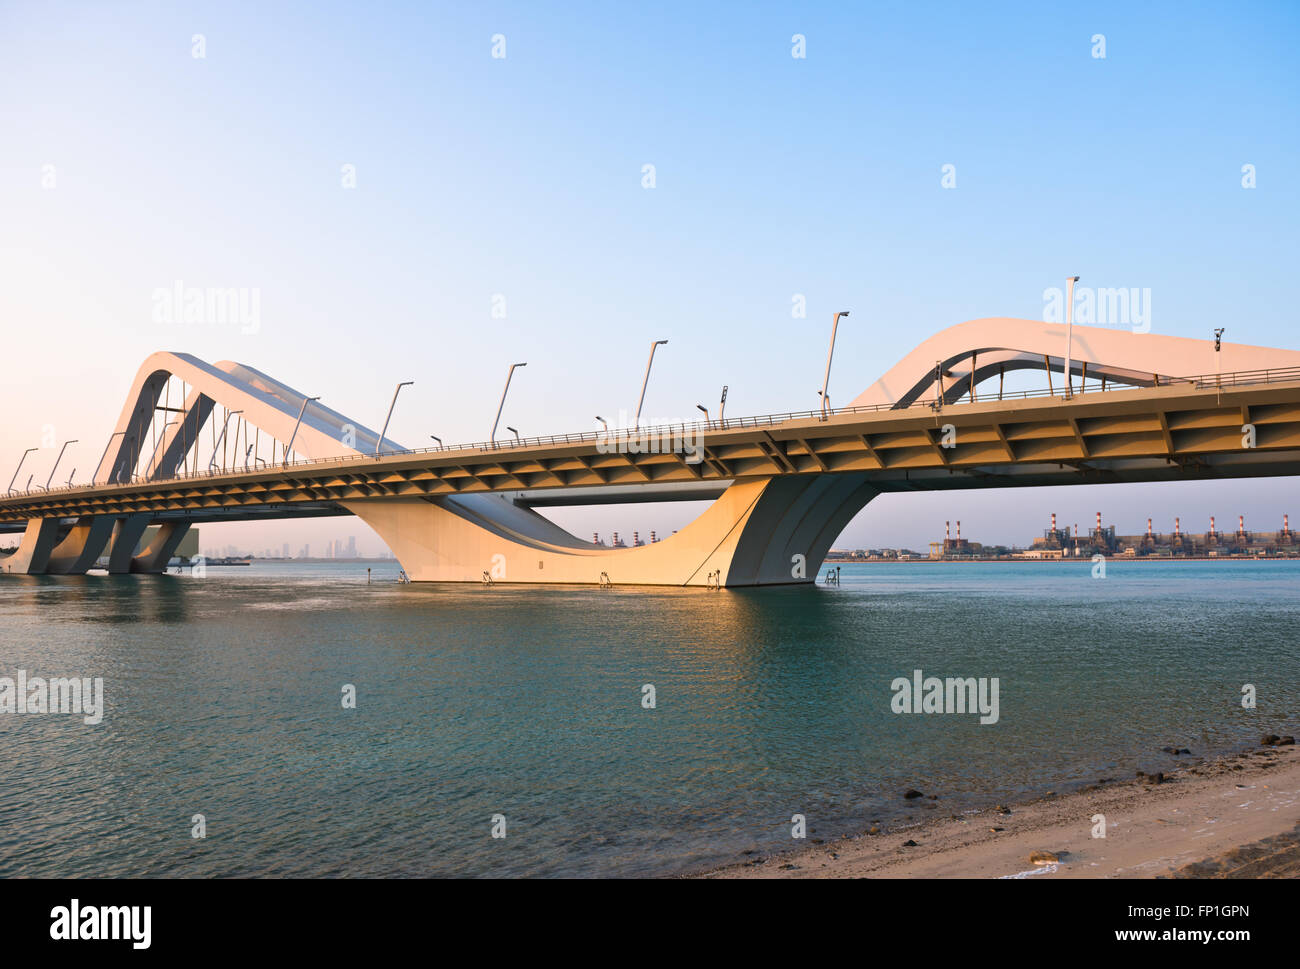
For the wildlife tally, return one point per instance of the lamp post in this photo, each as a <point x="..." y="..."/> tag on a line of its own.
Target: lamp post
<point x="288" y="448"/>
<point x="829" y="354"/>
<point x="1218" y="363"/>
<point x="380" y="442"/>
<point x="105" y="454"/>
<point x="20" y="467"/>
<point x="645" y="380"/>
<point x="161" y="439"/>
<point x="438" y="439"/>
<point x="722" y="408"/>
<point x="707" y="421"/>
<point x="56" y="463"/>
<point x="514" y="432"/>
<point x="222" y="438"/>
<point x="1069" y="334"/>
<point x="493" y="438"/>
<point x="826" y="404"/>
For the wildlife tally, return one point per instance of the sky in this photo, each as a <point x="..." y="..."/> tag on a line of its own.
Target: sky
<point x="402" y="204"/>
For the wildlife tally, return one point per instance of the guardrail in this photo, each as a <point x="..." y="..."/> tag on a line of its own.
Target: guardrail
<point x="1240" y="378"/>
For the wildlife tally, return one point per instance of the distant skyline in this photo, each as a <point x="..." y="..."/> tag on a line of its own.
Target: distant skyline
<point x="393" y="202"/>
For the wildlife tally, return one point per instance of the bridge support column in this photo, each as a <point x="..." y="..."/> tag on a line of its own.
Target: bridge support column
<point x="33" y="552"/>
<point x="83" y="546"/>
<point x="764" y="531"/>
<point x="127" y="533"/>
<point x="161" y="549"/>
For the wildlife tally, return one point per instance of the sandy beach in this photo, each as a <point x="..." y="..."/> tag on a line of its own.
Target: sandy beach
<point x="1234" y="817"/>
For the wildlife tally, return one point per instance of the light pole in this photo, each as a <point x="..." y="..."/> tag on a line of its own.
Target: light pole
<point x="514" y="432"/>
<point x="56" y="463"/>
<point x="604" y="423"/>
<point x="826" y="404"/>
<point x="161" y="439"/>
<point x="222" y="438"/>
<point x="654" y="346"/>
<point x="288" y="448"/>
<point x="438" y="439"/>
<point x="829" y="354"/>
<point x="722" y="408"/>
<point x="1218" y="364"/>
<point x="493" y="438"/>
<point x="20" y="467"/>
<point x="707" y="421"/>
<point x="380" y="442"/>
<point x="1069" y="334"/>
<point x="105" y="454"/>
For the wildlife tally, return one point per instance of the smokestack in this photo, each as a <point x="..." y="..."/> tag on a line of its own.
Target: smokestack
<point x="959" y="529"/>
<point x="1148" y="528"/>
<point x="1212" y="525"/>
<point x="1286" y="525"/>
<point x="595" y="538"/>
<point x="947" y="532"/>
<point x="1241" y="524"/>
<point x="1053" y="522"/>
<point x="652" y="537"/>
<point x="615" y="544"/>
<point x="1099" y="524"/>
<point x="636" y="539"/>
<point x="1177" y="532"/>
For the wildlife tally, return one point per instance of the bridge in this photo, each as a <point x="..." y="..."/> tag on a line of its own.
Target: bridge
<point x="1135" y="407"/>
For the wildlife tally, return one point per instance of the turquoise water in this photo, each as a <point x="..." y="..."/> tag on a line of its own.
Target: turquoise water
<point x="223" y="699"/>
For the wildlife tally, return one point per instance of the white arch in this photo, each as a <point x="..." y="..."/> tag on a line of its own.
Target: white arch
<point x="267" y="403"/>
<point x="984" y="346"/>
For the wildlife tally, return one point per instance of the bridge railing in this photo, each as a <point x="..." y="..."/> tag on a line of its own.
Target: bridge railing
<point x="1238" y="378"/>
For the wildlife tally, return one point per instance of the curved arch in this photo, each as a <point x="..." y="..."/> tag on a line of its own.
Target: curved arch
<point x="267" y="403"/>
<point x="986" y="346"/>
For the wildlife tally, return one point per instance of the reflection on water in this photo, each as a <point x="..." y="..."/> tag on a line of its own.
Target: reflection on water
<point x="223" y="699"/>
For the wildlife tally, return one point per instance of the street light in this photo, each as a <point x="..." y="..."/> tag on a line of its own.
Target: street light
<point x="288" y="448"/>
<point x="438" y="439"/>
<point x="221" y="439"/>
<point x="830" y="353"/>
<point x="161" y="438"/>
<point x="645" y="380"/>
<point x="56" y="463"/>
<point x="722" y="408"/>
<point x="380" y="442"/>
<point x="707" y="421"/>
<point x="1218" y="363"/>
<point x="1069" y="334"/>
<point x="20" y="467"/>
<point x="105" y="454"/>
<point x="493" y="438"/>
<point x="826" y="404"/>
<point x="514" y="432"/>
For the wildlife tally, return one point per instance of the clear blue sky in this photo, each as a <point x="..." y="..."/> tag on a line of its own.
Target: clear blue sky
<point x="522" y="177"/>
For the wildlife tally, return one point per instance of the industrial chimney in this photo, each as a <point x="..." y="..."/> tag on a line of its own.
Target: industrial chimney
<point x="1241" y="525"/>
<point x="958" y="531"/>
<point x="1177" y="532"/>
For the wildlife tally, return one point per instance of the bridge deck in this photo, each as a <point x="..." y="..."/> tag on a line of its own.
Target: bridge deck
<point x="1186" y="430"/>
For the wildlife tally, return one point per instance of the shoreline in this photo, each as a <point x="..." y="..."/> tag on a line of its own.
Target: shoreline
<point x="1232" y="815"/>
